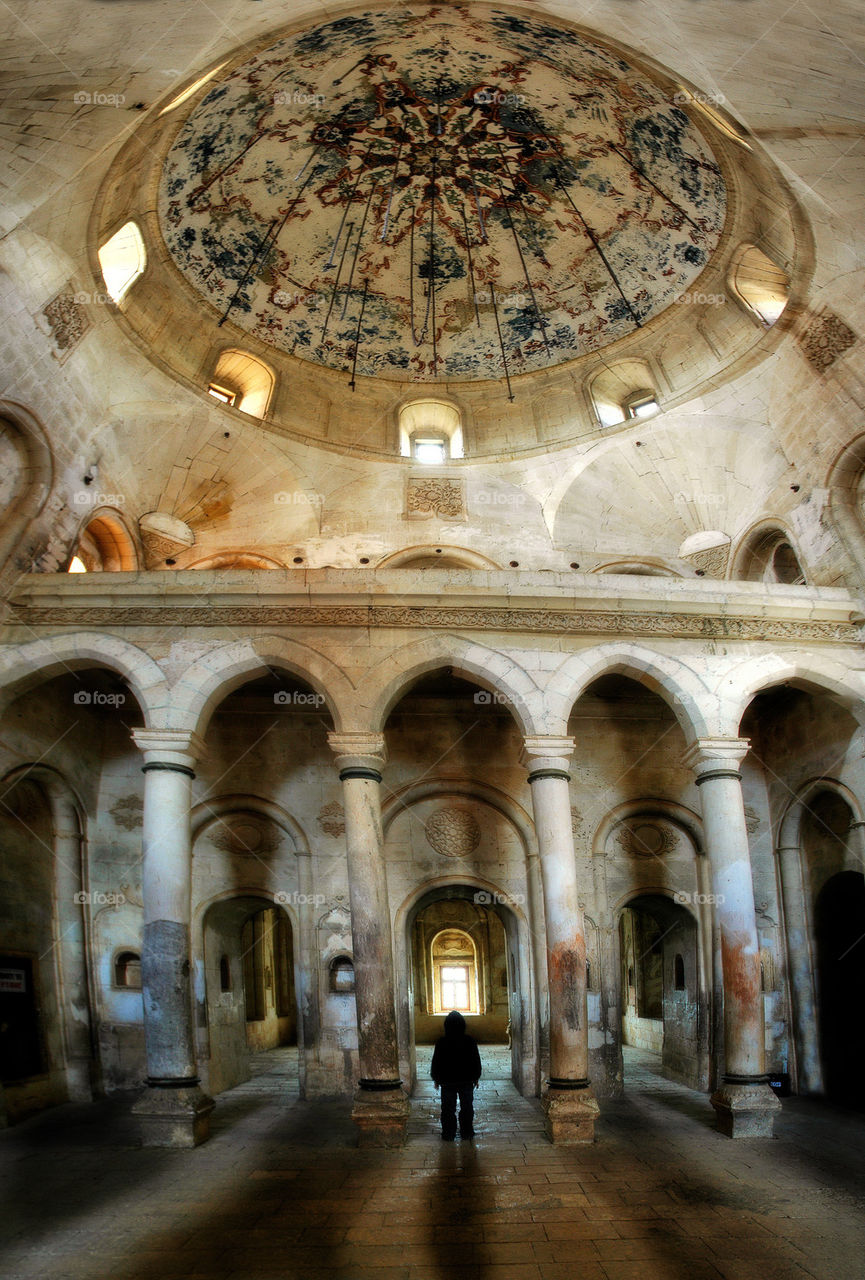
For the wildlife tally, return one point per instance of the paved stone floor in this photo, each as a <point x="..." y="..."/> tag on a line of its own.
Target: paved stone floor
<point x="281" y="1192"/>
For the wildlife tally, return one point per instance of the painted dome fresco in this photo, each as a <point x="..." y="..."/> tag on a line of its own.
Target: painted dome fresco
<point x="439" y="195"/>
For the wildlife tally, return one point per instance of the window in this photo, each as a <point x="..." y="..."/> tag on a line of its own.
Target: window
<point x="222" y="394"/>
<point x="242" y="381"/>
<point x="622" y="392"/>
<point x="341" y="976"/>
<point x="678" y="973"/>
<point x="768" y="556"/>
<point x="224" y="974"/>
<point x="430" y="431"/>
<point x="455" y="987"/>
<point x="643" y="404"/>
<point x="429" y="451"/>
<point x="122" y="260"/>
<point x="127" y="970"/>
<point x="76" y="565"/>
<point x="759" y="284"/>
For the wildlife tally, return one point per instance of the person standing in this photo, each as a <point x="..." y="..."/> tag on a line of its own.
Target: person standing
<point x="456" y="1070"/>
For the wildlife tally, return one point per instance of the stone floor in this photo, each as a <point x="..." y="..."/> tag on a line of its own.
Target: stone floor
<point x="280" y="1191"/>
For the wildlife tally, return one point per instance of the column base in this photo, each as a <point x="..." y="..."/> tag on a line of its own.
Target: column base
<point x="570" y="1115"/>
<point x="178" y="1117"/>
<point x="745" y="1110"/>
<point x="381" y="1116"/>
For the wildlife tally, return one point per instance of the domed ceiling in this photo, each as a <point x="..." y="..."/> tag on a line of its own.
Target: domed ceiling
<point x="439" y="195"/>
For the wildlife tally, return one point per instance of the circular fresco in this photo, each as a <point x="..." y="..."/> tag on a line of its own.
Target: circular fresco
<point x="439" y="194"/>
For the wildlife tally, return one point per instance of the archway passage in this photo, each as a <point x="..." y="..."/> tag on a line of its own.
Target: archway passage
<point x="662" y="1012"/>
<point x="839" y="923"/>
<point x="249" y="979"/>
<point x="463" y="949"/>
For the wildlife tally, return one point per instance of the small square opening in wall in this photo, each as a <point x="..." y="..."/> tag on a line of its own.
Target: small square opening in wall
<point x="222" y="394"/>
<point x="642" y="405"/>
<point x="429" y="451"/>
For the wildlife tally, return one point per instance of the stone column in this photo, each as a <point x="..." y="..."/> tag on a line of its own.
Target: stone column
<point x="381" y="1106"/>
<point x="173" y="1111"/>
<point x="569" y="1104"/>
<point x="745" y="1106"/>
<point x="800" y="971"/>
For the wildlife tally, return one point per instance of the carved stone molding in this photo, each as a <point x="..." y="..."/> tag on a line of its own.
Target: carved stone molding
<point x="826" y="338"/>
<point x="245" y="835"/>
<point x="642" y="839"/>
<point x="428" y="496"/>
<point x="711" y="560"/>
<point x="331" y="819"/>
<point x="550" y="621"/>
<point x="128" y="812"/>
<point x="453" y="832"/>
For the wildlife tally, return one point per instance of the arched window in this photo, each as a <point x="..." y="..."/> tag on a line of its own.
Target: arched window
<point x="243" y="381"/>
<point x="768" y="556"/>
<point x="430" y="431"/>
<point x="760" y="284"/>
<point x="455" y="972"/>
<point x="122" y="260"/>
<point x="678" y="973"/>
<point x="622" y="392"/>
<point x="341" y="976"/>
<point x="127" y="970"/>
<point x="104" y="545"/>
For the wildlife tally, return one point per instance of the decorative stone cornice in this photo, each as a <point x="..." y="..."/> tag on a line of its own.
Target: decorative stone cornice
<point x="546" y="754"/>
<point x="589" y="622"/>
<point x="176" y="748"/>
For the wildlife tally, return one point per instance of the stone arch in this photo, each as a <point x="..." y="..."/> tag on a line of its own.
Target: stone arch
<point x="241" y="559"/>
<point x="205" y="683"/>
<point x="651" y="806"/>
<point x="843" y="483"/>
<point x="31" y="664"/>
<point x="741" y="684"/>
<point x="207" y="811"/>
<point x="493" y="671"/>
<point x="520" y="942"/>
<point x="104" y="536"/>
<point x="678" y="685"/>
<point x="72" y="966"/>
<point x="789" y="828"/>
<point x="423" y="789"/>
<point x="451" y="556"/>
<point x="755" y="547"/>
<point x="36" y="480"/>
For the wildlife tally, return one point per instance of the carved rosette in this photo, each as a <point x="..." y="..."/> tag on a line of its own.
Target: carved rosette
<point x="826" y="338"/>
<point x="428" y="496"/>
<point x="67" y="320"/>
<point x="453" y="832"/>
<point x="245" y="835"/>
<point x="647" y="839"/>
<point x="128" y="812"/>
<point x="331" y="819"/>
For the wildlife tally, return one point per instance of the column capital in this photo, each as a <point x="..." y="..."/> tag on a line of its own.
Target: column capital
<point x="709" y="757"/>
<point x="358" y="751"/>
<point x="174" y="748"/>
<point x="546" y="754"/>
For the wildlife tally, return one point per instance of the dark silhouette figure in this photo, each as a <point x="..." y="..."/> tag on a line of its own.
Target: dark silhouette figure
<point x="456" y="1070"/>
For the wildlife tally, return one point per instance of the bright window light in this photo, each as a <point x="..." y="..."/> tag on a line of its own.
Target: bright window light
<point x="122" y="259"/>
<point x="76" y="566"/>
<point x="222" y="394"/>
<point x="644" y="407"/>
<point x="429" y="451"/>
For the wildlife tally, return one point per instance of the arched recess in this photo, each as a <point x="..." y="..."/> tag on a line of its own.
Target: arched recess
<point x="677" y="684"/>
<point x="844" y="484"/>
<point x="521" y="974"/>
<point x="642" y="568"/>
<point x="207" y="682"/>
<point x="237" y="560"/>
<point x="498" y="675"/>
<point x="28" y="444"/>
<point x="767" y="553"/>
<point x="242" y="381"/>
<point x="49" y="938"/>
<point x="798" y="898"/>
<point x="105" y="543"/>
<point x="759" y="285"/>
<point x="28" y="665"/>
<point x="432" y="557"/>
<point x="246" y="869"/>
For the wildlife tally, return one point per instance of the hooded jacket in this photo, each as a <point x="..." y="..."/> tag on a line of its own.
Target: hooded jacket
<point x="455" y="1058"/>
